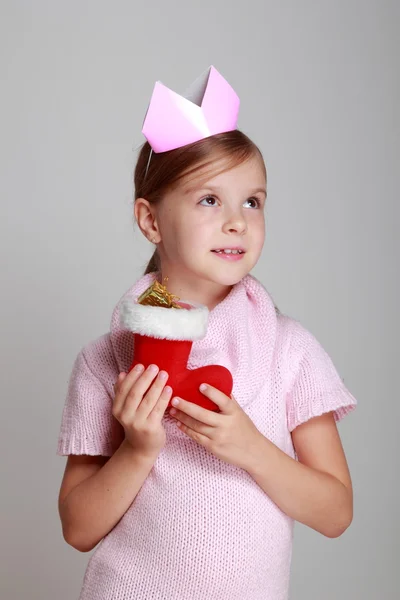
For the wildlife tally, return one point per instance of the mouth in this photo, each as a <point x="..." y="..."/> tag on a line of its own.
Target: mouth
<point x="229" y="254"/>
<point x="228" y="251"/>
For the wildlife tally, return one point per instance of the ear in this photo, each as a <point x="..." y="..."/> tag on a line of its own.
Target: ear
<point x="145" y="215"/>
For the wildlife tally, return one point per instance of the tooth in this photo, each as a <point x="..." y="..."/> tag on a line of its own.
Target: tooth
<point x="227" y="251"/>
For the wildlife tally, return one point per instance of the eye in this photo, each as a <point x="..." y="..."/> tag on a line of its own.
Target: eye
<point x="255" y="201"/>
<point x="209" y="200"/>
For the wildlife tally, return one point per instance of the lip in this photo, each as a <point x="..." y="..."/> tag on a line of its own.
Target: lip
<point x="230" y="257"/>
<point x="229" y="248"/>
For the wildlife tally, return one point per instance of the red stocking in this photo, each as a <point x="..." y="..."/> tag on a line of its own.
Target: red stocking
<point x="164" y="336"/>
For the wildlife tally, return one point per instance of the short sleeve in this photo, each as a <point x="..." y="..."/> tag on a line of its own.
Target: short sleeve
<point x="86" y="424"/>
<point x="316" y="387"/>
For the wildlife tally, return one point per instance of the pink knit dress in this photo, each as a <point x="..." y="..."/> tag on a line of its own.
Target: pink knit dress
<point x="200" y="528"/>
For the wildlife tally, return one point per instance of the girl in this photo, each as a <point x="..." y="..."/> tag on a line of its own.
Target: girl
<point x="191" y="504"/>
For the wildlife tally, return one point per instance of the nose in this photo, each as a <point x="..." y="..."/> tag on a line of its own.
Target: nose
<point x="236" y="223"/>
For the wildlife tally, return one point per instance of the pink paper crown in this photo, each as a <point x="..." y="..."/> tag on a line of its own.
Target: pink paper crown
<point x="210" y="106"/>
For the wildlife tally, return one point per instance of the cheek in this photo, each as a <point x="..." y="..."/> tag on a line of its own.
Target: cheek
<point x="256" y="222"/>
<point x="185" y="241"/>
<point x="258" y="233"/>
<point x="172" y="229"/>
<point x="196" y="232"/>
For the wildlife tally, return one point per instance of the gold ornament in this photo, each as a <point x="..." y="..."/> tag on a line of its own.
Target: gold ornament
<point x="157" y="295"/>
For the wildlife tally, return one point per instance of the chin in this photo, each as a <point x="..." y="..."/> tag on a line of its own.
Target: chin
<point x="229" y="277"/>
<point x="232" y="280"/>
<point x="224" y="274"/>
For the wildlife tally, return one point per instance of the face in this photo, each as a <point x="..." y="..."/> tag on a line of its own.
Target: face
<point x="203" y="217"/>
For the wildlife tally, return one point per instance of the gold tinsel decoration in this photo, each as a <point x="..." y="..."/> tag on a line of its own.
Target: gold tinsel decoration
<point x="158" y="295"/>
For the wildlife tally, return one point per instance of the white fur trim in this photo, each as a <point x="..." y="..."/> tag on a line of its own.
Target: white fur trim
<point x="165" y="323"/>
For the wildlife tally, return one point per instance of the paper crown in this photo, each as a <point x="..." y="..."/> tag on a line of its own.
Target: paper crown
<point x="209" y="106"/>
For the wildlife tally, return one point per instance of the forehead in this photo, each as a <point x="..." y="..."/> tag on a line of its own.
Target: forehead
<point x="221" y="173"/>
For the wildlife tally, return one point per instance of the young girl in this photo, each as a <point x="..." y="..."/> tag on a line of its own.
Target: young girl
<point x="189" y="503"/>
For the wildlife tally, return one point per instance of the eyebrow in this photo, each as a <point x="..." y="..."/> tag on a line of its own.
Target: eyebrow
<point x="218" y="189"/>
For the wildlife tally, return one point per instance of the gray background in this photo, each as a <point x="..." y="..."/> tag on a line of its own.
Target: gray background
<point x="319" y="85"/>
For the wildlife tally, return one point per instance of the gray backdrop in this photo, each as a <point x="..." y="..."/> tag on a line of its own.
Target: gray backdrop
<point x="319" y="85"/>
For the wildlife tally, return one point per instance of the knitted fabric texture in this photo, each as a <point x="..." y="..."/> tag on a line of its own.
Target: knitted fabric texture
<point x="200" y="528"/>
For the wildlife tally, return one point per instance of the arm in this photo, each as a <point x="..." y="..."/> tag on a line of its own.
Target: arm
<point x="96" y="492"/>
<point x="315" y="490"/>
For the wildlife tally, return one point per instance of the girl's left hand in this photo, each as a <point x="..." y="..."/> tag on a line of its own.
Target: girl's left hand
<point x="230" y="435"/>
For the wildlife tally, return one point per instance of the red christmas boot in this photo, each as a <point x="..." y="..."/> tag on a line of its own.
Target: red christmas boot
<point x="164" y="336"/>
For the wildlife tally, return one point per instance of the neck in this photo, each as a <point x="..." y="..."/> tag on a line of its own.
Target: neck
<point x="193" y="289"/>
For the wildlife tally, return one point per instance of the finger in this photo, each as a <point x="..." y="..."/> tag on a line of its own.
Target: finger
<point x="134" y="395"/>
<point x="152" y="396"/>
<point x="208" y="417"/>
<point x="130" y="378"/>
<point x="146" y="379"/>
<point x="140" y="383"/>
<point x="123" y="385"/>
<point x="194" y="424"/>
<point x="219" y="398"/>
<point x="195" y="435"/>
<point x="161" y="405"/>
<point x="120" y="378"/>
<point x="118" y="386"/>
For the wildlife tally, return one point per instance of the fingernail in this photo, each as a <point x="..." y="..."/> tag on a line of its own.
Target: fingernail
<point x="153" y="368"/>
<point x="162" y="375"/>
<point x="138" y="368"/>
<point x="203" y="387"/>
<point x="175" y="401"/>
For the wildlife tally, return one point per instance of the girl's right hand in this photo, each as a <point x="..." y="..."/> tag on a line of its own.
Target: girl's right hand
<point x="141" y="398"/>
